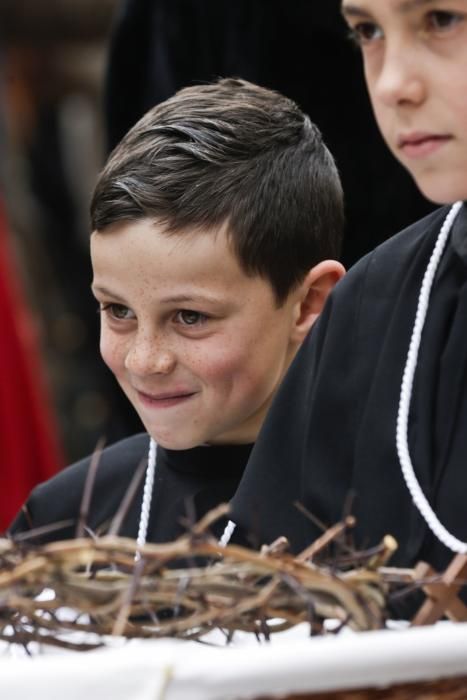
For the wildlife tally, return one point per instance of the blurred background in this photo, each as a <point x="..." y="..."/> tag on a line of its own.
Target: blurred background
<point x="74" y="76"/>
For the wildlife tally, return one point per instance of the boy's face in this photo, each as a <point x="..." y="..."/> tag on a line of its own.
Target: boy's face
<point x="197" y="346"/>
<point x="415" y="59"/>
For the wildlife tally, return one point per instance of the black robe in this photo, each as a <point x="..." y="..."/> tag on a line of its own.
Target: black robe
<point x="331" y="430"/>
<point x="187" y="484"/>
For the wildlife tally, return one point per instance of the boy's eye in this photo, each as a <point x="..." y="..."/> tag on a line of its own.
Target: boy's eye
<point x="440" y="20"/>
<point x="365" y="33"/>
<point x="118" y="311"/>
<point x="190" y="318"/>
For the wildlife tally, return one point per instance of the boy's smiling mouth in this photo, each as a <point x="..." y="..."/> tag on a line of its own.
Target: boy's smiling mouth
<point x="419" y="144"/>
<point x="165" y="399"/>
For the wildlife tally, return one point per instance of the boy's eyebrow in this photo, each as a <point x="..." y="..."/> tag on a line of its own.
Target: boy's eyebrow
<point x="353" y="11"/>
<point x="409" y="5"/>
<point x="403" y="7"/>
<point x="175" y="299"/>
<point x="182" y="298"/>
<point x="105" y="292"/>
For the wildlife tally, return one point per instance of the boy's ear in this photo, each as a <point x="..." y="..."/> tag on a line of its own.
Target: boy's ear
<point x="314" y="290"/>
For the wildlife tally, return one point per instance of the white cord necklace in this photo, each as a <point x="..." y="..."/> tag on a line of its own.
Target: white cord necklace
<point x="227" y="534"/>
<point x="147" y="495"/>
<point x="418" y="497"/>
<point x="147" y="500"/>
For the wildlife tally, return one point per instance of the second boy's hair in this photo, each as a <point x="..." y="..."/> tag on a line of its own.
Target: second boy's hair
<point x="237" y="154"/>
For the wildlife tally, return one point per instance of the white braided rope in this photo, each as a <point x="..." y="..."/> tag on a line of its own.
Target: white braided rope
<point x="227" y="534"/>
<point x="147" y="495"/>
<point x="147" y="500"/>
<point x="418" y="497"/>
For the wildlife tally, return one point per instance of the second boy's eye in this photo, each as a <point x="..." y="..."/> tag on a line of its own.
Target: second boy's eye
<point x="190" y="318"/>
<point x="442" y="20"/>
<point x="364" y="33"/>
<point x="118" y="311"/>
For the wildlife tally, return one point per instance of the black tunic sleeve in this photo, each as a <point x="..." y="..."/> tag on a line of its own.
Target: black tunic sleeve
<point x="59" y="499"/>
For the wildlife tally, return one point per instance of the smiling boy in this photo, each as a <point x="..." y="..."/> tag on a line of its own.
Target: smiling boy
<point x="382" y="380"/>
<point x="215" y="222"/>
<point x="197" y="346"/>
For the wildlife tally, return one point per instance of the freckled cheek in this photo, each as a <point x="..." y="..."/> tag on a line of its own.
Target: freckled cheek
<point x="246" y="367"/>
<point x="226" y="365"/>
<point x="112" y="352"/>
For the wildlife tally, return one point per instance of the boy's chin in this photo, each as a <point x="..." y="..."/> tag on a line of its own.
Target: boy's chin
<point x="176" y="443"/>
<point x="442" y="189"/>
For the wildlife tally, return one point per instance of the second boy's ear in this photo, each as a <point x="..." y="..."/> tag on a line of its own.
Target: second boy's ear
<point x="314" y="290"/>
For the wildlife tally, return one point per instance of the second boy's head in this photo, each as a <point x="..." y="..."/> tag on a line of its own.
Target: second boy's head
<point x="415" y="59"/>
<point x="216" y="224"/>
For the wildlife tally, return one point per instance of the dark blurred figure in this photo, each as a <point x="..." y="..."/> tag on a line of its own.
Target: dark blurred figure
<point x="299" y="47"/>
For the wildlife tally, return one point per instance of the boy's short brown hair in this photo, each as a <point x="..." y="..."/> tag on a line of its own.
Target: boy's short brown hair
<point x="230" y="153"/>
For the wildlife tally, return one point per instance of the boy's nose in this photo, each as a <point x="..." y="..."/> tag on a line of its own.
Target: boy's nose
<point x="400" y="81"/>
<point x="147" y="355"/>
